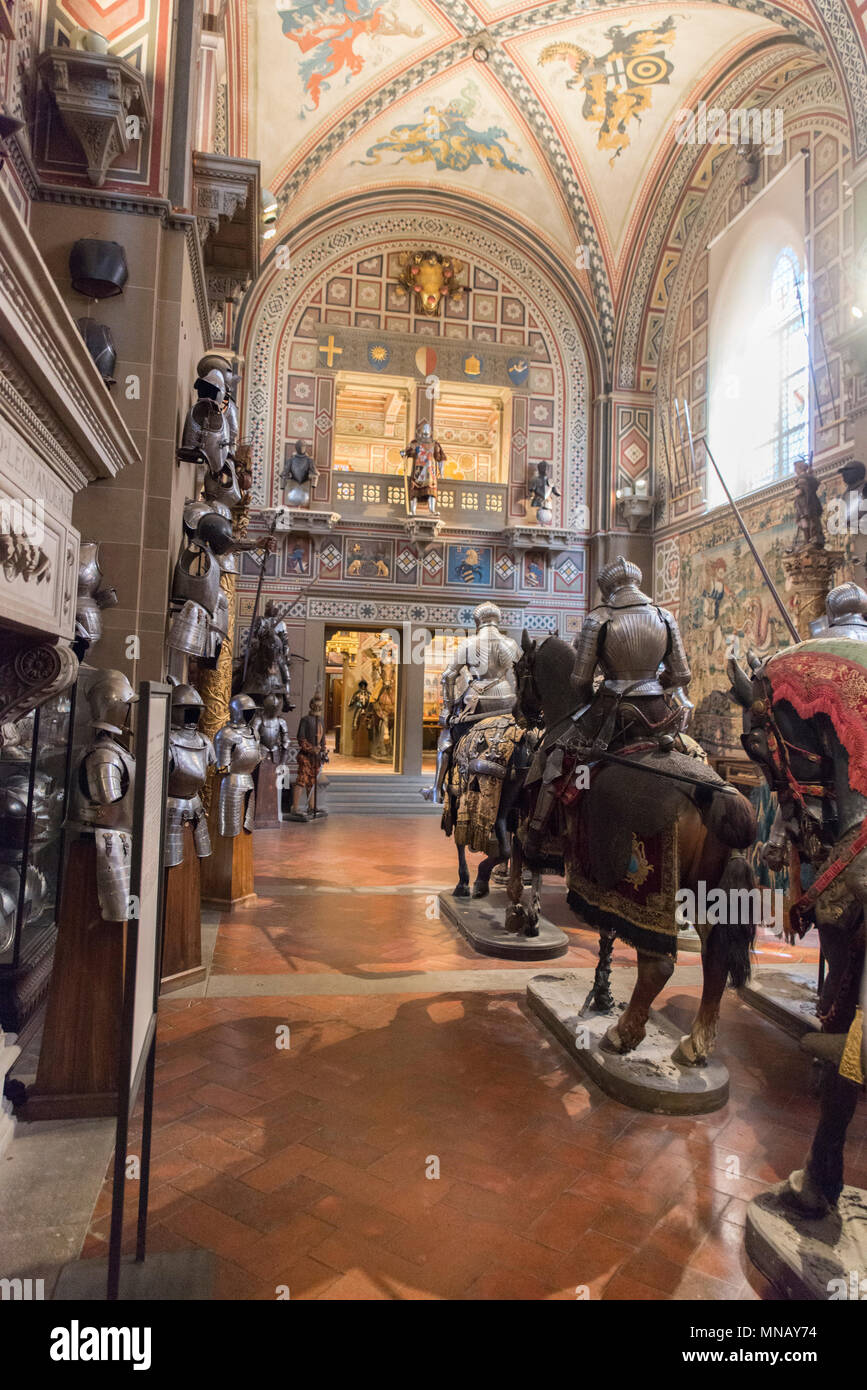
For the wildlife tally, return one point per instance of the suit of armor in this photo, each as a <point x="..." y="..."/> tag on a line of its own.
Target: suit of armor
<point x="102" y="793"/>
<point x="299" y="476"/>
<point x="93" y="596"/>
<point x="426" y="458"/>
<point x="194" y="600"/>
<point x="846" y="607"/>
<point x="272" y="730"/>
<point x="479" y="680"/>
<point x="238" y="755"/>
<point x="638" y="649"/>
<point x="312" y="753"/>
<point x="190" y="756"/>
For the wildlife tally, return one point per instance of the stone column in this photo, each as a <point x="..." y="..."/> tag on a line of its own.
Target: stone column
<point x="809" y="573"/>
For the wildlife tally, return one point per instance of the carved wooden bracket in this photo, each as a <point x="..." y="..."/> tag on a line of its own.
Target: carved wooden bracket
<point x="102" y="100"/>
<point x="31" y="674"/>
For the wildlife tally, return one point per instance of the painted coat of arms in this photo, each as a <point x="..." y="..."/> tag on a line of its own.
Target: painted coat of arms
<point x="618" y="84"/>
<point x="445" y="136"/>
<point x="326" y="32"/>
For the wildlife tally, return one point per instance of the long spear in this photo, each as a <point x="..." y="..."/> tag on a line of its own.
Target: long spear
<point x="665" y="451"/>
<point x="784" y="612"/>
<point x="809" y="351"/>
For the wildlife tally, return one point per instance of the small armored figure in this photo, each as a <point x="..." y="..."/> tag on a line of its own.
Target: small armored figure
<point x="299" y="477"/>
<point x="312" y="753"/>
<point x="425" y="457"/>
<point x="808" y="508"/>
<point x="268" y="662"/>
<point x="101" y="801"/>
<point x="361" y="704"/>
<point x="190" y="756"/>
<point x="846" y="607"/>
<point x="272" y="730"/>
<point x="93" y="596"/>
<point x="238" y="755"/>
<point x="540" y="492"/>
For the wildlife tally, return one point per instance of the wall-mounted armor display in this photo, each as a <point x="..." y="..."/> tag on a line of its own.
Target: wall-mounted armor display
<point x="272" y="730"/>
<point x="299" y="477"/>
<point x="540" y="492"/>
<point x="238" y="755"/>
<point x="102" y="791"/>
<point x="190" y="756"/>
<point x="93" y="595"/>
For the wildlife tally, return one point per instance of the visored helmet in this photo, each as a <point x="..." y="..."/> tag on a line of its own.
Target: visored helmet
<point x="241" y="709"/>
<point x="187" y="706"/>
<point x="110" y="696"/>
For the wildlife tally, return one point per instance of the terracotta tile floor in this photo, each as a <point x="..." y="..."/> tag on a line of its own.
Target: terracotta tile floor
<point x="306" y="1167"/>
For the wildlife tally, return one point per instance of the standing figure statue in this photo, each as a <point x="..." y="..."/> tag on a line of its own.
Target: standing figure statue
<point x="425" y="457"/>
<point x="191" y="753"/>
<point x="102" y="792"/>
<point x="268" y="659"/>
<point x="93" y="596"/>
<point x="299" y="476"/>
<point x="272" y="730"/>
<point x="540" y="491"/>
<point x="312" y="754"/>
<point x="808" y="508"/>
<point x="238" y="755"/>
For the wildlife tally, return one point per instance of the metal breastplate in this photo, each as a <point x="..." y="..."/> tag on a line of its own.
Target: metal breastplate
<point x="85" y="808"/>
<point x="494" y="685"/>
<point x="189" y="764"/>
<point x="854" y="630"/>
<point x="223" y="487"/>
<point x="201" y="589"/>
<point x="244" y="755"/>
<point x="270" y="733"/>
<point x="634" y="645"/>
<point x="89" y="573"/>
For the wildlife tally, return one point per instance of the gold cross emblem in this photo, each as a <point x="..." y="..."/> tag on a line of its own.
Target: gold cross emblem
<point x="330" y="350"/>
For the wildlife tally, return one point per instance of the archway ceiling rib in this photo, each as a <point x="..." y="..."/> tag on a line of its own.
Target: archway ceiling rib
<point x="568" y="125"/>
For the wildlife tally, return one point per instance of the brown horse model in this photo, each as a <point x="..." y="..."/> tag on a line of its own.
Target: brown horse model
<point x="650" y="823"/>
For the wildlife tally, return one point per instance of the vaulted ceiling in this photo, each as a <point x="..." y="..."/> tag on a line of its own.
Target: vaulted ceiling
<point x="567" y="125"/>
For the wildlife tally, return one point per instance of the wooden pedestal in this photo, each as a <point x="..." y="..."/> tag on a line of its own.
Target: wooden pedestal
<point x="77" y="1074"/>
<point x="182" y="942"/>
<point x="267" y="796"/>
<point x="227" y="876"/>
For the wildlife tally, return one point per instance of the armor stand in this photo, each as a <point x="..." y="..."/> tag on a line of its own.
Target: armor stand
<point x="267" y="814"/>
<point x="227" y="877"/>
<point x="182" y="940"/>
<point x="77" y="1075"/>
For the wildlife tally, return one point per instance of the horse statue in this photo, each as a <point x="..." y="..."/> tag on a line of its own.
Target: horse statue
<point x="634" y="828"/>
<point x="805" y="726"/>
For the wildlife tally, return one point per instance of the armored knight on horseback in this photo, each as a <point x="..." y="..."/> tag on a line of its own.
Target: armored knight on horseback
<point x="637" y="649"/>
<point x="479" y="681"/>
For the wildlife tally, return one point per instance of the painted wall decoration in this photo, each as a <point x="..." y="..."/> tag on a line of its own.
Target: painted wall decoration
<point x="445" y="137"/>
<point x="470" y="565"/>
<point x="617" y="84"/>
<point x="535" y="571"/>
<point x="368" y="559"/>
<point x="296" y="556"/>
<point x="326" y="32"/>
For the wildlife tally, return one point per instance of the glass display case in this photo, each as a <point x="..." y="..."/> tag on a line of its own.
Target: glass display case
<point x="34" y="776"/>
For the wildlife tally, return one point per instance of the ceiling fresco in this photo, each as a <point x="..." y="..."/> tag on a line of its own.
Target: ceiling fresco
<point x="567" y="125"/>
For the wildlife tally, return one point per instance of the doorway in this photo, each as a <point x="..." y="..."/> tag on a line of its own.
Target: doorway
<point x="361" y="700"/>
<point x="438" y="653"/>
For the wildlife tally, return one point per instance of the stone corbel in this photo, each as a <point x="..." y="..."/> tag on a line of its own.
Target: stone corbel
<point x="542" y="538"/>
<point x="226" y="207"/>
<point x="300" y="521"/>
<point x="423" y="528"/>
<point x="102" y="101"/>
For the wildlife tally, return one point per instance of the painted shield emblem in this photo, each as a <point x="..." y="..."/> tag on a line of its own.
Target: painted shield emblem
<point x="426" y="360"/>
<point x="379" y="356"/>
<point x="518" y="369"/>
<point x="473" y="365"/>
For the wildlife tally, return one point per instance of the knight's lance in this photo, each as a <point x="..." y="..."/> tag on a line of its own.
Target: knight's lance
<point x="775" y="594"/>
<point x="665" y="451"/>
<point x="277" y="514"/>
